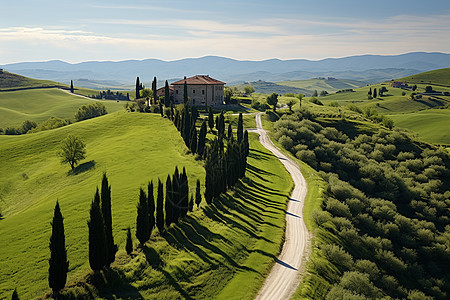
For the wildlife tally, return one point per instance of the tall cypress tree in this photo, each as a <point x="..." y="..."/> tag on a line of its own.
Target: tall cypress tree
<point x="129" y="245"/>
<point x="240" y="129"/>
<point x="186" y="125"/>
<point x="15" y="296"/>
<point x="138" y="88"/>
<point x="154" y="89"/>
<point x="374" y="93"/>
<point x="230" y="133"/>
<point x="193" y="145"/>
<point x="191" y="203"/>
<point x="142" y="223"/>
<point x="198" y="195"/>
<point x="184" y="193"/>
<point x="97" y="240"/>
<point x="210" y="119"/>
<point x="107" y="219"/>
<point x="175" y="196"/>
<point x="151" y="206"/>
<point x="168" y="206"/>
<point x="185" y="93"/>
<point x="202" y="139"/>
<point x="166" y="95"/>
<point x="246" y="144"/>
<point x="58" y="263"/>
<point x="71" y="86"/>
<point x="160" y="207"/>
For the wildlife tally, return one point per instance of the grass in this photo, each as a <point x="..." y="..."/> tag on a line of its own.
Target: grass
<point x="40" y="104"/>
<point x="14" y="81"/>
<point x="237" y="237"/>
<point x="430" y="125"/>
<point x="323" y="84"/>
<point x="436" y="77"/>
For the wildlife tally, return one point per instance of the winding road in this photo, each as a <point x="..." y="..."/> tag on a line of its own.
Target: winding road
<point x="284" y="278"/>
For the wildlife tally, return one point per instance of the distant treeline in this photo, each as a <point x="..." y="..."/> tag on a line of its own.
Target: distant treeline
<point x="108" y="95"/>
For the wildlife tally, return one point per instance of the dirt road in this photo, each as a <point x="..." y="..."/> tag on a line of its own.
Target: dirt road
<point x="283" y="279"/>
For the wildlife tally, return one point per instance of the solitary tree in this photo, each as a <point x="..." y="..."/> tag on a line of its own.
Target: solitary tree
<point x="249" y="89"/>
<point x="370" y="92"/>
<point x="97" y="240"/>
<point x="291" y="102"/>
<point x="138" y="88"/>
<point x="107" y="219"/>
<point x="374" y="93"/>
<point x="58" y="263"/>
<point x="160" y="207"/>
<point x="142" y="223"/>
<point x="71" y="86"/>
<point x="273" y="100"/>
<point x="154" y="88"/>
<point x="300" y="98"/>
<point x="72" y="150"/>
<point x="129" y="245"/>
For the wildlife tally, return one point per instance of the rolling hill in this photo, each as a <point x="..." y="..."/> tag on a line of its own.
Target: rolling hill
<point x="10" y="82"/>
<point x="435" y="77"/>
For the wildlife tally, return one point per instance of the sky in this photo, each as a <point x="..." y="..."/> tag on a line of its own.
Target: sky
<point x="110" y="30"/>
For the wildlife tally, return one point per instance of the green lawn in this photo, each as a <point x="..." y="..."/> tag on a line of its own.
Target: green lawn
<point x="431" y="125"/>
<point x="237" y="237"/>
<point x="40" y="104"/>
<point x="440" y="77"/>
<point x="12" y="81"/>
<point x="329" y="85"/>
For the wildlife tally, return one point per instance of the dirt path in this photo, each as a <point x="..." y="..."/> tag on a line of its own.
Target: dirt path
<point x="283" y="279"/>
<point x="78" y="95"/>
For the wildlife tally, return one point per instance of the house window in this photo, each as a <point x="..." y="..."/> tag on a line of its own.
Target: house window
<point x="176" y="92"/>
<point x="193" y="91"/>
<point x="203" y="92"/>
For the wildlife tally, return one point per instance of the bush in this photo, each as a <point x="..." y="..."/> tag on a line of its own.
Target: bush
<point x="315" y="101"/>
<point x="51" y="123"/>
<point x="89" y="111"/>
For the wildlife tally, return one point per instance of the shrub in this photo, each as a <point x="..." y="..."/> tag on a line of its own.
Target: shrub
<point x="89" y="111"/>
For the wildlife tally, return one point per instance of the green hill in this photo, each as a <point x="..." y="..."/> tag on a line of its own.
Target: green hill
<point x="10" y="81"/>
<point x="40" y="104"/>
<point x="238" y="236"/>
<point x="324" y="84"/>
<point x="435" y="77"/>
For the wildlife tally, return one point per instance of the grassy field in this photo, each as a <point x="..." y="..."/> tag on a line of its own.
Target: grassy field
<point x="430" y="125"/>
<point x="40" y="104"/>
<point x="237" y="236"/>
<point x="436" y="77"/>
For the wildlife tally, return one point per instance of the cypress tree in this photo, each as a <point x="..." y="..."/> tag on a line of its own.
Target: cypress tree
<point x="71" y="86"/>
<point x="160" y="207"/>
<point x="151" y="206"/>
<point x="230" y="133"/>
<point x="129" y="245"/>
<point x="210" y="119"/>
<point x="221" y="125"/>
<point x="142" y="223"/>
<point x="185" y="93"/>
<point x="166" y="95"/>
<point x="15" y="296"/>
<point x="370" y="92"/>
<point x="172" y="112"/>
<point x="198" y="195"/>
<point x="217" y="123"/>
<point x="184" y="193"/>
<point x="374" y="93"/>
<point x="58" y="263"/>
<point x="191" y="203"/>
<point x="107" y="219"/>
<point x="240" y="129"/>
<point x="193" y="144"/>
<point x="97" y="239"/>
<point x="161" y="109"/>
<point x="154" y="89"/>
<point x="201" y="139"/>
<point x="176" y="195"/>
<point x="168" y="205"/>
<point x="186" y="125"/>
<point x="246" y="144"/>
<point x="138" y="88"/>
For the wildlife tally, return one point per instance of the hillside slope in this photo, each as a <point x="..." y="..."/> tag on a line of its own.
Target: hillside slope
<point x="10" y="81"/>
<point x="435" y="77"/>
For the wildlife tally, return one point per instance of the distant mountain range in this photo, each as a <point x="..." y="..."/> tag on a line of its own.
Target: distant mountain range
<point x="101" y="74"/>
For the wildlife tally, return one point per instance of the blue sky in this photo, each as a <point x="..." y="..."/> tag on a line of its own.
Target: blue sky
<point x="76" y="31"/>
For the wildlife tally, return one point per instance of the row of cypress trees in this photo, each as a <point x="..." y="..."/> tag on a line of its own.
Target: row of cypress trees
<point x="169" y="210"/>
<point x="102" y="249"/>
<point x="185" y="123"/>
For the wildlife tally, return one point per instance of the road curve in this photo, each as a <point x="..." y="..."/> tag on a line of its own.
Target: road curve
<point x="283" y="279"/>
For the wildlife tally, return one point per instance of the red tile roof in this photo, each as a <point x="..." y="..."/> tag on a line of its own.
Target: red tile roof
<point x="199" y="79"/>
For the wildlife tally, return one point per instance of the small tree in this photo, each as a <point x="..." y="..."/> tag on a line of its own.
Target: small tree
<point x="58" y="263"/>
<point x="249" y="90"/>
<point x="315" y="94"/>
<point x="370" y="92"/>
<point x="72" y="150"/>
<point x="71" y="86"/>
<point x="273" y="100"/>
<point x="198" y="195"/>
<point x="428" y="89"/>
<point x="191" y="203"/>
<point x="166" y="95"/>
<point x="154" y="88"/>
<point x="291" y="102"/>
<point x="374" y="93"/>
<point x="129" y="245"/>
<point x="146" y="93"/>
<point x="240" y="128"/>
<point x="382" y="91"/>
<point x="300" y="98"/>
<point x="142" y="223"/>
<point x="138" y="87"/>
<point x="97" y="241"/>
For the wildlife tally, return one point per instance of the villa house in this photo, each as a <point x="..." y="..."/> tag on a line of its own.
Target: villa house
<point x="201" y="90"/>
<point x="399" y="84"/>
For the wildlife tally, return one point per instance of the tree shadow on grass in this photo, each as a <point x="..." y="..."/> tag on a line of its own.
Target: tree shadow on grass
<point x="259" y="155"/>
<point x="82" y="168"/>
<point x="156" y="262"/>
